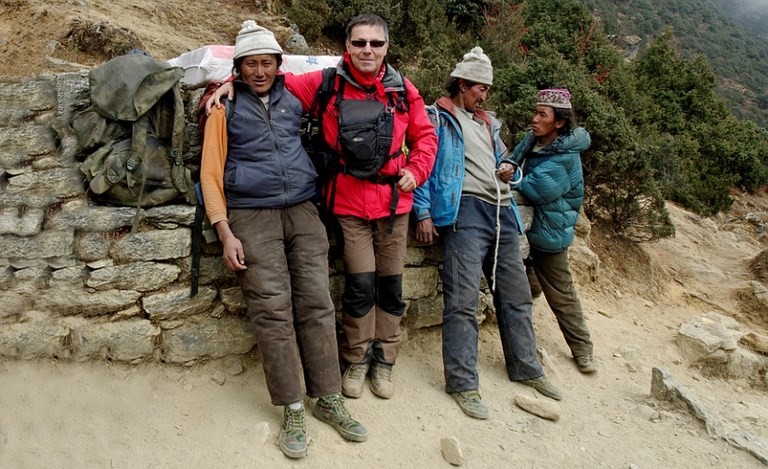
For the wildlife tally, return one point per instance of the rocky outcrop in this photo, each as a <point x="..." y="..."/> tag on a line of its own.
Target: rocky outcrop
<point x="713" y="343"/>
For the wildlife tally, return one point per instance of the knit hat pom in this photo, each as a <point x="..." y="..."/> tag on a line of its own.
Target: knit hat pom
<point x="476" y="67"/>
<point x="254" y="39"/>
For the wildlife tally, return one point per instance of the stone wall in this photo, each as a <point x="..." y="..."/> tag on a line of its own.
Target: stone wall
<point x="77" y="283"/>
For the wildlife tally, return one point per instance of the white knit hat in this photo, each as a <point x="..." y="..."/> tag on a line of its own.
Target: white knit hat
<point x="476" y="67"/>
<point x="254" y="39"/>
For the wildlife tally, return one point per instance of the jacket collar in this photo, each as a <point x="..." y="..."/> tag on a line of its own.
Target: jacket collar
<point x="390" y="80"/>
<point x="446" y="104"/>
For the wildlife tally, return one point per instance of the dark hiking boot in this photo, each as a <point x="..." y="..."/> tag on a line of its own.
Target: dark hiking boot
<point x="585" y="363"/>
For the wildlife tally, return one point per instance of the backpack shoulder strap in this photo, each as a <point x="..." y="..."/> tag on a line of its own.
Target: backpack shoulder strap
<point x="323" y="93"/>
<point x="401" y="101"/>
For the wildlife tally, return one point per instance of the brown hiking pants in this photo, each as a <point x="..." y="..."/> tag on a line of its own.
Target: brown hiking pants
<point x="374" y="261"/>
<point x="289" y="303"/>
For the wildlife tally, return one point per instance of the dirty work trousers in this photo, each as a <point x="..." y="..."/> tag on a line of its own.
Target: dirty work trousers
<point x="469" y="253"/>
<point x="554" y="279"/>
<point x="372" y="302"/>
<point x="286" y="290"/>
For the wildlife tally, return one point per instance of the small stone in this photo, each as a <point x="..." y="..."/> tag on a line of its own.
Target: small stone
<point x="234" y="368"/>
<point x="605" y="313"/>
<point x="677" y="361"/>
<point x="219" y="378"/>
<point x="617" y="354"/>
<point x="262" y="432"/>
<point x="634" y="466"/>
<point x="452" y="451"/>
<point x="647" y="412"/>
<point x="546" y="409"/>
<point x="693" y="432"/>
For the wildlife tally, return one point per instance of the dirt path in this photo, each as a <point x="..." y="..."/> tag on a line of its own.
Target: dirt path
<point x="102" y="415"/>
<point x="75" y="415"/>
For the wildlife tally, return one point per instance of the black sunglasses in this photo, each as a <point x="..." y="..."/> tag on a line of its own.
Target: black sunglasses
<point x="375" y="43"/>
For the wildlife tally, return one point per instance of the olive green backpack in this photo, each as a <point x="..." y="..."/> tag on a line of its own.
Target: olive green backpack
<point x="132" y="135"/>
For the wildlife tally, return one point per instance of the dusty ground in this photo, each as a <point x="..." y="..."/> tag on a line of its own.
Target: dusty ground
<point x="75" y="415"/>
<point x="98" y="415"/>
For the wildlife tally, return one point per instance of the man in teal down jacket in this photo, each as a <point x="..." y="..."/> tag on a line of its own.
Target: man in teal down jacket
<point x="553" y="184"/>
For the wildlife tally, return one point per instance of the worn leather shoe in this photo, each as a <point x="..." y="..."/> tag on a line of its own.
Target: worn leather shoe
<point x="585" y="363"/>
<point x="544" y="386"/>
<point x="381" y="381"/>
<point x="470" y="404"/>
<point x="353" y="380"/>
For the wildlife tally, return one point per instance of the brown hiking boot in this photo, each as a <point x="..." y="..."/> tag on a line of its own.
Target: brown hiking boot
<point x="585" y="363"/>
<point x="354" y="380"/>
<point x="293" y="434"/>
<point x="381" y="381"/>
<point x="331" y="410"/>
<point x="544" y="386"/>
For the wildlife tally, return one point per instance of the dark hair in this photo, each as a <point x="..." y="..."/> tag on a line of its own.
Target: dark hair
<point x="568" y="116"/>
<point x="453" y="87"/>
<point x="239" y="62"/>
<point x="368" y="19"/>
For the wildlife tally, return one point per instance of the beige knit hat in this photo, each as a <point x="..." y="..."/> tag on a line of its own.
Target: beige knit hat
<point x="476" y="67"/>
<point x="254" y="39"/>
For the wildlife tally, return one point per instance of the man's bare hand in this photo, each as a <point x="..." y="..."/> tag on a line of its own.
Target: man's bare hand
<point x="425" y="231"/>
<point x="215" y="99"/>
<point x="506" y="171"/>
<point x="407" y="182"/>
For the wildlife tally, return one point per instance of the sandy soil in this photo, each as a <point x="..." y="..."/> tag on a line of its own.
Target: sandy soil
<point x="74" y="415"/>
<point x="97" y="415"/>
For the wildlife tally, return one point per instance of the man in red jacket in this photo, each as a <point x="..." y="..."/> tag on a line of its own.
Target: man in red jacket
<point x="371" y="194"/>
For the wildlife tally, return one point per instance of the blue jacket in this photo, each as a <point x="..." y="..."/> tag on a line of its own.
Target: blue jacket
<point x="266" y="165"/>
<point x="439" y="197"/>
<point x="554" y="185"/>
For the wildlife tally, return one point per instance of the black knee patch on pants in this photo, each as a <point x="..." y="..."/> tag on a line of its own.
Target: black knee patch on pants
<point x="390" y="294"/>
<point x="358" y="293"/>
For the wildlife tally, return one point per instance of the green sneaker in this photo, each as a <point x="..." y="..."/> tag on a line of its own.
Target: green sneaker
<point x="293" y="433"/>
<point x="469" y="402"/>
<point x="544" y="386"/>
<point x="331" y="410"/>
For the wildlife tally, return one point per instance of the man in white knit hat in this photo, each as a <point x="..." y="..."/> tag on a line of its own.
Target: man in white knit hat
<point x="258" y="184"/>
<point x="467" y="200"/>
